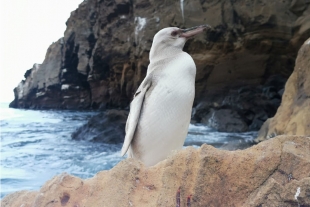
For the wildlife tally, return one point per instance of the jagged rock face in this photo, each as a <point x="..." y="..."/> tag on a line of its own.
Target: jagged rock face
<point x="52" y="85"/>
<point x="293" y="115"/>
<point x="106" y="46"/>
<point x="273" y="173"/>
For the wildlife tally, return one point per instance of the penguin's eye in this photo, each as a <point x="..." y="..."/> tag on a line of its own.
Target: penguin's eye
<point x="174" y="33"/>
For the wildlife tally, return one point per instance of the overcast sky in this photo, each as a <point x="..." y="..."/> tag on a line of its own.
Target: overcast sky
<point x="28" y="28"/>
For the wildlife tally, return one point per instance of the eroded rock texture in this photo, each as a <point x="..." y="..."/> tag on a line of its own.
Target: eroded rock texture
<point x="293" y="116"/>
<point x="242" y="64"/>
<point x="273" y="173"/>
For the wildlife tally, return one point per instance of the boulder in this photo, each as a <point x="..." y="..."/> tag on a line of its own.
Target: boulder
<point x="293" y="115"/>
<point x="273" y="173"/>
<point x="106" y="127"/>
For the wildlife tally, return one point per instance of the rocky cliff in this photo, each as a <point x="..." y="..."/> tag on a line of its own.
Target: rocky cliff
<point x="293" y="116"/>
<point x="242" y="64"/>
<point x="273" y="173"/>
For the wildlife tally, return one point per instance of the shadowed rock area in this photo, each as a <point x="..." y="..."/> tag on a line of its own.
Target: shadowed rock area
<point x="273" y="173"/>
<point x="293" y="116"/>
<point x="107" y="127"/>
<point x="242" y="64"/>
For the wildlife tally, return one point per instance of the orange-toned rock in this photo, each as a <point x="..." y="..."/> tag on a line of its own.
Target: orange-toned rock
<point x="273" y="173"/>
<point x="293" y="115"/>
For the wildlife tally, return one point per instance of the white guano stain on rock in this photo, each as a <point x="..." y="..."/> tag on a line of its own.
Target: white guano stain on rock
<point x="65" y="87"/>
<point x="20" y="90"/>
<point x="140" y="24"/>
<point x="40" y="94"/>
<point x="157" y="19"/>
<point x="36" y="66"/>
<point x="182" y="8"/>
<point x="297" y="193"/>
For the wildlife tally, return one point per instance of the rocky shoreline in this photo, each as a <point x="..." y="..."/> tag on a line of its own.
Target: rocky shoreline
<point x="242" y="64"/>
<point x="275" y="172"/>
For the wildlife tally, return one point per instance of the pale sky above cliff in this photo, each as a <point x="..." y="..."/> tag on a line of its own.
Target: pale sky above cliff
<point x="28" y="28"/>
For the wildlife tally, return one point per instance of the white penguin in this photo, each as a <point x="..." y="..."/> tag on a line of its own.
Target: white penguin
<point x="160" y="112"/>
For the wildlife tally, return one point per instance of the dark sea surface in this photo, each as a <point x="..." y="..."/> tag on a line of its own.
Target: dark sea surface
<point x="37" y="145"/>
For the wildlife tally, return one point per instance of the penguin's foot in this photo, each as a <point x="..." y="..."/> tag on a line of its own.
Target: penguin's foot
<point x="188" y="203"/>
<point x="178" y="199"/>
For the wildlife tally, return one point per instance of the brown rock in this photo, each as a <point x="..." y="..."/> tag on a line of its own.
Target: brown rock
<point x="268" y="174"/>
<point x="293" y="115"/>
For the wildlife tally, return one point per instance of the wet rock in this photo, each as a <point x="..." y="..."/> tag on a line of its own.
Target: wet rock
<point x="225" y="120"/>
<point x="107" y="127"/>
<point x="256" y="124"/>
<point x="251" y="105"/>
<point x="273" y="173"/>
<point x="293" y="115"/>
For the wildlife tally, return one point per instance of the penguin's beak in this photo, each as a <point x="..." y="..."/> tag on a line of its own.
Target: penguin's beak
<point x="191" y="32"/>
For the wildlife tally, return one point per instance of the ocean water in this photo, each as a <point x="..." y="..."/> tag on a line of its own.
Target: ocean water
<point x="37" y="145"/>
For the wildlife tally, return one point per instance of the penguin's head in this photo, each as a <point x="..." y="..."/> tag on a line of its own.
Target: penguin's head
<point x="174" y="38"/>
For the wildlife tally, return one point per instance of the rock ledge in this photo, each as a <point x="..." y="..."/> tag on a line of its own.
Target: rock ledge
<point x="275" y="172"/>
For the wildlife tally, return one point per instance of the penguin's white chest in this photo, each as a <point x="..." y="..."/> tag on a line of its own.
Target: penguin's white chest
<point x="166" y="113"/>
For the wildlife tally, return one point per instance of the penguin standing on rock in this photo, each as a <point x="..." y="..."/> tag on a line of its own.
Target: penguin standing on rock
<point x="160" y="112"/>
